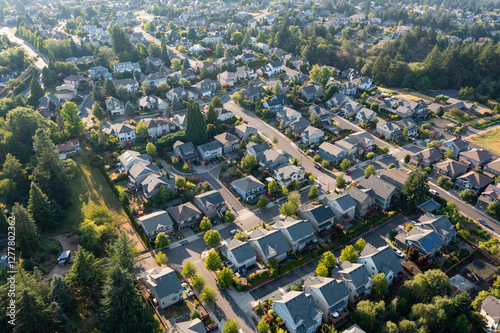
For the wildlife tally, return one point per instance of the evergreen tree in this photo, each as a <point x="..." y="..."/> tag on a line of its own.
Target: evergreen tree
<point x="62" y="293"/>
<point x="86" y="275"/>
<point x="129" y="109"/>
<point x="98" y="111"/>
<point x="219" y="49"/>
<point x="27" y="237"/>
<point x="164" y="53"/>
<point x="216" y="102"/>
<point x="196" y="129"/>
<point x="97" y="93"/>
<point x="119" y="40"/>
<point x="72" y="121"/>
<point x="186" y="63"/>
<point x="36" y="91"/>
<point x="123" y="308"/>
<point x="211" y="115"/>
<point x="109" y="88"/>
<point x="41" y="209"/>
<point x="122" y="253"/>
<point x="414" y="190"/>
<point x="3" y="222"/>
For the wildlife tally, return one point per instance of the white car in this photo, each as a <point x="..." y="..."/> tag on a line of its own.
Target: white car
<point x="433" y="192"/>
<point x="234" y="231"/>
<point x="388" y="155"/>
<point x="399" y="253"/>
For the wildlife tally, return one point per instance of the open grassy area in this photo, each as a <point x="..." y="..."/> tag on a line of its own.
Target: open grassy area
<point x="410" y="95"/>
<point x="89" y="189"/>
<point x="489" y="138"/>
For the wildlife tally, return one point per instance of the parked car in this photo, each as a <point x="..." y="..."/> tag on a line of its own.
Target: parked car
<point x="234" y="231"/>
<point x="483" y="222"/>
<point x="317" y="166"/>
<point x="157" y="114"/>
<point x="433" y="192"/>
<point x="399" y="253"/>
<point x="347" y="172"/>
<point x="388" y="155"/>
<point x="212" y="327"/>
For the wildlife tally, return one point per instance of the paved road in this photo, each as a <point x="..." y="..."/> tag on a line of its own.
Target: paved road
<point x="86" y="109"/>
<point x="40" y="60"/>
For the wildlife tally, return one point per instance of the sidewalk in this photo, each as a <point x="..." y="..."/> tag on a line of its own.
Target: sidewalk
<point x="214" y="317"/>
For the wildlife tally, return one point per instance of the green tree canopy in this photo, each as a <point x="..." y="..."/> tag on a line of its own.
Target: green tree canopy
<point x="360" y="245"/>
<point x="380" y="286"/>
<point x="205" y="224"/>
<point x="231" y="326"/>
<point x="370" y="170"/>
<point x="414" y="190"/>
<point x="189" y="269"/>
<point x="162" y="241"/>
<point x="213" y="261"/>
<point x="212" y="238"/>
<point x="208" y="295"/>
<point x="72" y="121"/>
<point x="225" y="277"/>
<point x="196" y="129"/>
<point x="348" y="254"/>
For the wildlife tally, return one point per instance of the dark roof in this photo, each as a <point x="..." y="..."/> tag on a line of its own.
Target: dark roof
<point x="383" y="257"/>
<point x="297" y="229"/>
<point x="248" y="184"/>
<point x="153" y="221"/>
<point x="209" y="146"/>
<point x="301" y="308"/>
<point x="182" y="212"/>
<point x="357" y="273"/>
<point x="345" y="201"/>
<point x="322" y="213"/>
<point x="332" y="290"/>
<point x="242" y="251"/>
<point x="272" y="243"/>
<point x="211" y="197"/>
<point x="381" y="187"/>
<point x="164" y="281"/>
<point x="186" y="150"/>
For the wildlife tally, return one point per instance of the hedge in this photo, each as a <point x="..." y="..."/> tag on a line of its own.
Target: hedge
<point x="486" y="123"/>
<point x="257" y="63"/>
<point x="255" y="278"/>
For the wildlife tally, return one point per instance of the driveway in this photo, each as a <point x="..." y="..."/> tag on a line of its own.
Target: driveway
<point x="68" y="243"/>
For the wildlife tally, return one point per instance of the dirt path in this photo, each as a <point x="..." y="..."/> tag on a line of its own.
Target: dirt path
<point x="68" y="243"/>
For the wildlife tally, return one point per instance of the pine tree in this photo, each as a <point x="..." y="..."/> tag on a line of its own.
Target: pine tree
<point x="36" y="91"/>
<point x="97" y="93"/>
<point x="3" y="222"/>
<point x="129" y="109"/>
<point x="211" y="115"/>
<point x="27" y="237"/>
<point x="62" y="293"/>
<point x="86" y="275"/>
<point x="97" y="111"/>
<point x="219" y="49"/>
<point x="119" y="40"/>
<point x="109" y="88"/>
<point x="122" y="253"/>
<point x="196" y="129"/>
<point x="41" y="209"/>
<point x="72" y="121"/>
<point x="164" y="53"/>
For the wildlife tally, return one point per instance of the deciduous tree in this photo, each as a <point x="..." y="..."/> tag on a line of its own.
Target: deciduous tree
<point x="380" y="286"/>
<point x="72" y="121"/>
<point x="162" y="241"/>
<point x="212" y="238"/>
<point x="225" y="277"/>
<point x="205" y="224"/>
<point x="208" y="295"/>
<point x="348" y="254"/>
<point x="189" y="269"/>
<point x="213" y="261"/>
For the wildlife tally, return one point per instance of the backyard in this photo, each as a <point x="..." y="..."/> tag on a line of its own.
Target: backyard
<point x="489" y="138"/>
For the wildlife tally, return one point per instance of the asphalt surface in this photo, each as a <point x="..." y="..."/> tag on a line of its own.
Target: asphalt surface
<point x="40" y="60"/>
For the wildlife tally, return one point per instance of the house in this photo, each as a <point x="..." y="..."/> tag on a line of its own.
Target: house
<point x="66" y="91"/>
<point x="349" y="88"/>
<point x="310" y="92"/>
<point x="151" y="102"/>
<point x="249" y="188"/>
<point x="224" y="114"/>
<point x="298" y="233"/>
<point x="164" y="285"/>
<point x="246" y="57"/>
<point x="130" y="157"/>
<point x="67" y="148"/>
<point x="354" y="329"/>
<point x="450" y="169"/>
<point x="185" y="215"/>
<point x="364" y="139"/>
<point x="228" y="141"/>
<point x="158" y="127"/>
<point x="277" y="102"/>
<point x="312" y="135"/>
<point x="490" y="309"/>
<point x="270" y="159"/>
<point x="288" y="173"/>
<point x="179" y="94"/>
<point x="122" y="131"/>
<point x="154" y="62"/>
<point x="298" y="311"/>
<point x="332" y="153"/>
<point x="114" y="106"/>
<point x="99" y="73"/>
<point x="357" y="279"/>
<point x="140" y="171"/>
<point x="458" y="145"/>
<point x="460" y="105"/>
<point x="252" y="93"/>
<point x="186" y="152"/>
<point x="365" y="202"/>
<point x="130" y="85"/>
<point x="211" y="203"/>
<point x="390" y="130"/>
<point x="269" y="245"/>
<point x="492" y="169"/>
<point x="287" y="115"/>
<point x="380" y="260"/>
<point x="179" y="121"/>
<point x="225" y="61"/>
<point x="395" y="177"/>
<point x="473" y="181"/>
<point x="152" y="184"/>
<point x="190" y="326"/>
<point x="321" y="217"/>
<point x="241" y="254"/>
<point x="338" y="100"/>
<point x="186" y="74"/>
<point x="365" y="83"/>
<point x="273" y="68"/>
<point x="331" y="295"/>
<point x="155" y="79"/>
<point x="245" y="131"/>
<point x="344" y="208"/>
<point x="366" y="115"/>
<point x="426" y="158"/>
<point x="73" y="80"/>
<point x="322" y="113"/>
<point x="205" y="87"/>
<point x="244" y="72"/>
<point x="209" y="150"/>
<point x="349" y="146"/>
<point x="385" y="192"/>
<point x="476" y="157"/>
<point x="155" y="223"/>
<point x="262" y="46"/>
<point x="299" y="125"/>
<point x="128" y="66"/>
<point x="349" y="109"/>
<point x="228" y="78"/>
<point x="411" y="128"/>
<point x="440" y="224"/>
<point x="257" y="149"/>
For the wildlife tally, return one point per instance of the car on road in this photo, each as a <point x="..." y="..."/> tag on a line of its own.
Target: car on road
<point x="399" y="253"/>
<point x="388" y="155"/>
<point x="355" y="160"/>
<point x="233" y="232"/>
<point x="483" y="222"/>
<point x="156" y="115"/>
<point x="184" y="242"/>
<point x="433" y="192"/>
<point x="212" y="327"/>
<point x="347" y="172"/>
<point x="317" y="166"/>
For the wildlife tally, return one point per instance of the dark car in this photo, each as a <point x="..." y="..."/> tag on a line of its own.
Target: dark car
<point x="212" y="327"/>
<point x="157" y="114"/>
<point x="317" y="166"/>
<point x="483" y="222"/>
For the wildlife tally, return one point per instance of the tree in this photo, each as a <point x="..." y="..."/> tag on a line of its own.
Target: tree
<point x="390" y="327"/>
<point x="284" y="190"/>
<point x="164" y="53"/>
<point x="151" y="149"/>
<point x="340" y="181"/>
<point x="205" y="224"/>
<point x="322" y="270"/>
<point x="467" y="195"/>
<point x="313" y="193"/>
<point x="385" y="150"/>
<point x="180" y="182"/>
<point x="360" y="245"/>
<point x="98" y="111"/>
<point x="72" y="121"/>
<point x="109" y="88"/>
<point x="161" y="258"/>
<point x="273" y="187"/>
<point x="263" y="326"/>
<point x="36" y="91"/>
<point x="212" y="238"/>
<point x="27" y="237"/>
<point x="129" y="109"/>
<point x="241" y="236"/>
<point x="370" y="156"/>
<point x="208" y="295"/>
<point x="195" y="314"/>
<point x="122" y="306"/>
<point x="141" y="130"/>
<point x="225" y="278"/>
<point x="41" y="209"/>
<point x="370" y="170"/>
<point x="277" y="88"/>
<point x="162" y="241"/>
<point x="414" y="190"/>
<point x="315" y="74"/>
<point x="440" y="111"/>
<point x="196" y="129"/>
<point x="288" y="209"/>
<point x="493" y="209"/>
<point x="248" y="162"/>
<point x="449" y="153"/>
<point x="231" y="326"/>
<point x="368" y="315"/>
<point x="316" y="120"/>
<point x="228" y="217"/>
<point x="198" y="281"/>
<point x="86" y="275"/>
<point x="262" y="203"/>
<point x="212" y="261"/>
<point x="62" y="294"/>
<point x="211" y="115"/>
<point x="345" y="164"/>
<point x="407" y="158"/>
<point x="176" y="65"/>
<point x="380" y="286"/>
<point x="348" y="254"/>
<point x="189" y="269"/>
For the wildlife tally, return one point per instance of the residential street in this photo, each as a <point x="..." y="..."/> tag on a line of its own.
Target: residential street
<point x="40" y="60"/>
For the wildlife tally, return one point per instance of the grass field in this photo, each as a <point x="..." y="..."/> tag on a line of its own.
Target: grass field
<point x="410" y="95"/>
<point x="489" y="138"/>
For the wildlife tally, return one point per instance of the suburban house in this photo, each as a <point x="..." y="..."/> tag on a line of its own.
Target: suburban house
<point x="164" y="285"/>
<point x="190" y="326"/>
<point x="366" y="115"/>
<point x="395" y="177"/>
<point x="338" y="100"/>
<point x="205" y="87"/>
<point x="186" y="152"/>
<point x="312" y="135"/>
<point x="491" y="194"/>
<point x="299" y="125"/>
<point x="228" y="78"/>
<point x="244" y="72"/>
<point x="357" y="279"/>
<point x="364" y="139"/>
<point x="155" y="223"/>
<point x="288" y="173"/>
<point x="155" y="79"/>
<point x="211" y="203"/>
<point x="450" y="169"/>
<point x="273" y="68"/>
<point x="349" y="146"/>
<point x="151" y="185"/>
<point x="492" y="169"/>
<point x="349" y="88"/>
<point x="209" y="150"/>
<point x="247" y="57"/>
<point x="298" y="233"/>
<point x="140" y="171"/>
<point x="185" y="215"/>
<point x="344" y="208"/>
<point x="298" y="311"/>
<point x="257" y="149"/>
<point x="365" y="203"/>
<point x="67" y="148"/>
<point x="476" y="157"/>
<point x="74" y="80"/>
<point x="241" y="254"/>
<point x="426" y="158"/>
<point x="385" y="192"/>
<point x="390" y="130"/>
<point x="130" y="85"/>
<point x="158" y="127"/>
<point x="179" y="121"/>
<point x="270" y="159"/>
<point x="151" y="102"/>
<point x="249" y="188"/>
<point x="473" y="181"/>
<point x="269" y="244"/>
<point x="350" y="109"/>
<point x="310" y="92"/>
<point x="245" y="131"/>
<point x="124" y="132"/>
<point x="332" y="153"/>
<point x="322" y="113"/>
<point x="440" y="224"/>
<point x="114" y="106"/>
<point x="331" y="295"/>
<point x="130" y="157"/>
<point x="252" y="93"/>
<point x="224" y="114"/>
<point x="380" y="260"/>
<point x="225" y="61"/>
<point x="277" y="102"/>
<point x="354" y="329"/>
<point x="287" y="115"/>
<point x="100" y="73"/>
<point x="321" y="217"/>
<point x="411" y="128"/>
<point x="128" y="66"/>
<point x="179" y="94"/>
<point x="228" y="141"/>
<point x="490" y="309"/>
<point x="365" y="83"/>
<point x="460" y="105"/>
<point x="458" y="145"/>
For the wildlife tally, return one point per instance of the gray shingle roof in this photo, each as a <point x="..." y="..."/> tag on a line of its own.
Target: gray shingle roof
<point x="322" y="213"/>
<point x="383" y="257"/>
<point x="357" y="273"/>
<point x="382" y="188"/>
<point x="182" y="212"/>
<point x="300" y="307"/>
<point x="354" y="329"/>
<point x="345" y="201"/>
<point x="297" y="229"/>
<point x="193" y="326"/>
<point x="153" y="221"/>
<point x="242" y="251"/>
<point x="491" y="305"/>
<point x="333" y="291"/>
<point x="272" y="243"/>
<point x="248" y="184"/>
<point x="209" y="146"/>
<point x="211" y="197"/>
<point x="164" y="281"/>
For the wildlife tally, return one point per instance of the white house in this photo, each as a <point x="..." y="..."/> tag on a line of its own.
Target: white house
<point x="210" y="150"/>
<point x="114" y="106"/>
<point x="124" y="132"/>
<point x="298" y="233"/>
<point x="344" y="207"/>
<point x="285" y="174"/>
<point x="382" y="259"/>
<point x="130" y="85"/>
<point x="490" y="309"/>
<point x="312" y="135"/>
<point x="224" y="114"/>
<point x="164" y="285"/>
<point x="240" y="254"/>
<point x="128" y="66"/>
